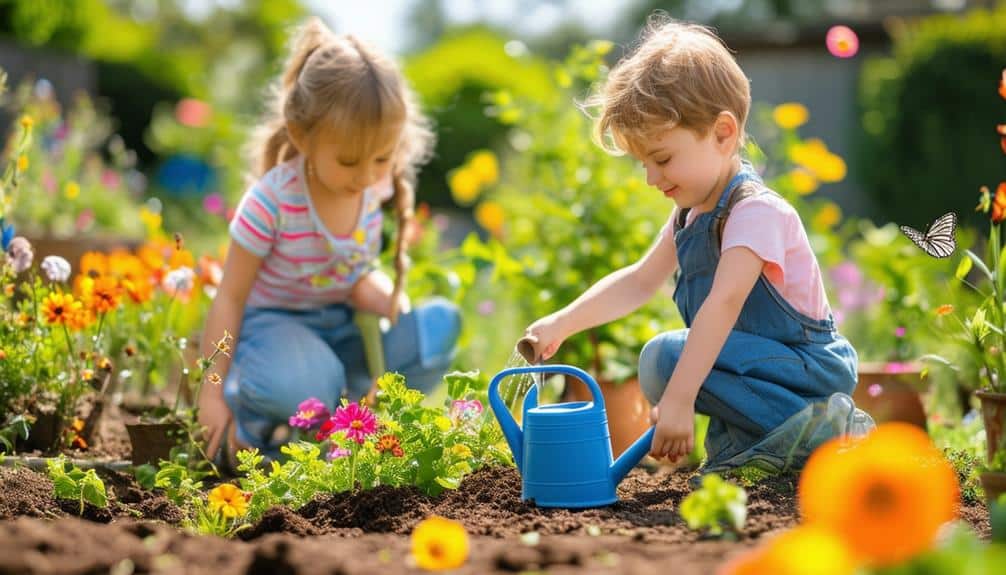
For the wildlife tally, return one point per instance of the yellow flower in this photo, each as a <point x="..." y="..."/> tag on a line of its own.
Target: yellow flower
<point x="439" y="544"/>
<point x="830" y="168"/>
<point x="461" y="450"/>
<point x="60" y="308"/>
<point x="807" y="152"/>
<point x="464" y="184"/>
<point x="804" y="549"/>
<point x="886" y="496"/>
<point x="72" y="190"/>
<point x="790" y="115"/>
<point x="442" y="423"/>
<point x="489" y="215"/>
<point x="803" y="181"/>
<point x="228" y="500"/>
<point x="484" y="165"/>
<point x="151" y="220"/>
<point x="22" y="163"/>
<point x="27" y="122"/>
<point x="827" y="217"/>
<point x="945" y="309"/>
<point x="392" y="425"/>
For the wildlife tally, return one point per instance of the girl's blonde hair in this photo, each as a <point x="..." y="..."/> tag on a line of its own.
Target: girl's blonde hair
<point x="681" y="74"/>
<point x="338" y="83"/>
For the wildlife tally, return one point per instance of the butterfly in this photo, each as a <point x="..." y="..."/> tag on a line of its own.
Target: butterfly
<point x="6" y="234"/>
<point x="938" y="240"/>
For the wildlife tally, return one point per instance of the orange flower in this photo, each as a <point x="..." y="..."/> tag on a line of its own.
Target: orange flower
<point x="945" y="309"/>
<point x="999" y="204"/>
<point x="886" y="496"/>
<point x="93" y="264"/>
<point x="139" y="290"/>
<point x="228" y="500"/>
<point x="104" y="295"/>
<point x="1002" y="85"/>
<point x="61" y="308"/>
<point x="1001" y="128"/>
<point x="803" y="549"/>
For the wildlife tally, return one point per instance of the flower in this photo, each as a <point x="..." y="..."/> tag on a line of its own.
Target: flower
<point x="310" y="412"/>
<point x="179" y="280"/>
<point x="192" y="112"/>
<point x="337" y="453"/>
<point x="1002" y="85"/>
<point x="104" y="294"/>
<point x="356" y="420"/>
<point x="326" y="430"/>
<point x="485" y="167"/>
<point x="56" y="269"/>
<point x="213" y="203"/>
<point x="790" y="115"/>
<point x="461" y="450"/>
<point x="389" y="443"/>
<point x="442" y="423"/>
<point x="464" y="183"/>
<point x="228" y="500"/>
<point x="71" y="190"/>
<point x="886" y="496"/>
<point x="61" y="308"/>
<point x="466" y="409"/>
<point x="27" y="122"/>
<point x="945" y="309"/>
<point x="490" y="216"/>
<point x="804" y="549"/>
<point x="899" y="331"/>
<point x="828" y="216"/>
<point x="22" y="163"/>
<point x="214" y="378"/>
<point x="20" y="254"/>
<point x="439" y="544"/>
<point x="999" y="204"/>
<point x="1001" y="129"/>
<point x="803" y="181"/>
<point x="842" y="42"/>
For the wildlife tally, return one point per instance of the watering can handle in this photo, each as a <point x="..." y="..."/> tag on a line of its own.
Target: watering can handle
<point x="583" y="376"/>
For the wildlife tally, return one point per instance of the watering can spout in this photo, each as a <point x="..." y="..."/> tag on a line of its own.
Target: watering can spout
<point x="631" y="456"/>
<point x="511" y="431"/>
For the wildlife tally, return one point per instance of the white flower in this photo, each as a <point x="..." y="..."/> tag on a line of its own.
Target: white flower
<point x="56" y="269"/>
<point x="19" y="254"/>
<point x="179" y="280"/>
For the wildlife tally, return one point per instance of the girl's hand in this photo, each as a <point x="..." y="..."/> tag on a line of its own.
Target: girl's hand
<point x="373" y="293"/>
<point x="214" y="415"/>
<point x="546" y="335"/>
<point x="674" y="436"/>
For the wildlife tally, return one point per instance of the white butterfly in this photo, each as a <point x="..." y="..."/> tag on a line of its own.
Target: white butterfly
<point x="938" y="240"/>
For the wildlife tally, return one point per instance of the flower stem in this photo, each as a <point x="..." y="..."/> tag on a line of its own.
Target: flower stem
<point x="352" y="470"/>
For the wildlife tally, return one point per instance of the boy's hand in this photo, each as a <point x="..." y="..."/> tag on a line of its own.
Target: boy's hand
<point x="674" y="436"/>
<point x="548" y="335"/>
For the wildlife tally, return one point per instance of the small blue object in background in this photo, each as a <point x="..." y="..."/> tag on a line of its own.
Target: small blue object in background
<point x="186" y="175"/>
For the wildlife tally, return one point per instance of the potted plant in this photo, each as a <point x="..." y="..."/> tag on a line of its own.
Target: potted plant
<point x="982" y="329"/>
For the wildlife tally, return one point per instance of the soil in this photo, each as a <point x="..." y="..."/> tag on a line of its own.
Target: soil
<point x="368" y="532"/>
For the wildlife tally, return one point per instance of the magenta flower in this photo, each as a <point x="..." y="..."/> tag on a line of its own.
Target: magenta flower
<point x="899" y="332"/>
<point x="356" y="420"/>
<point x="310" y="412"/>
<point x="214" y="204"/>
<point x="337" y="453"/>
<point x="842" y="41"/>
<point x="465" y="408"/>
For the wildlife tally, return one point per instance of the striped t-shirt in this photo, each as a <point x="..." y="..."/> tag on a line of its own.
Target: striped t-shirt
<point x="304" y="265"/>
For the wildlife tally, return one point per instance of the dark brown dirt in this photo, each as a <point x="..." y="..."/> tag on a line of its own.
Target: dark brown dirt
<point x="368" y="532"/>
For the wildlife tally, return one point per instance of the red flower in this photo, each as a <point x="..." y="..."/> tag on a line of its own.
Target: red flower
<point x="327" y="429"/>
<point x="999" y="204"/>
<point x="389" y="444"/>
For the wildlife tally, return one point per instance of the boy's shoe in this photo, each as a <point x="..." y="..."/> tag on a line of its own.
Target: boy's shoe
<point x="787" y="447"/>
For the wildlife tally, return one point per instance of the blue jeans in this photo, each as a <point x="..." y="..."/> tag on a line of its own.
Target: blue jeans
<point x="283" y="357"/>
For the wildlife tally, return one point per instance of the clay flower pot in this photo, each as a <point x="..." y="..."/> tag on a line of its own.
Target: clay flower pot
<point x="152" y="442"/>
<point x="994" y="416"/>
<point x="891" y="391"/>
<point x="627" y="407"/>
<point x="994" y="484"/>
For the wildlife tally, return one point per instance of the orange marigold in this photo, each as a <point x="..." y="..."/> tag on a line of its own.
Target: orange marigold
<point x="60" y="308"/>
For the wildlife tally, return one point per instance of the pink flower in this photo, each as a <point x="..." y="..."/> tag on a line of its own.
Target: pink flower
<point x="465" y="408"/>
<point x="337" y="453"/>
<point x="192" y="113"/>
<point x="310" y="413"/>
<point x="110" y="179"/>
<point x="213" y="203"/>
<point x="899" y="331"/>
<point x="874" y="390"/>
<point x="898" y="367"/>
<point x="486" y="307"/>
<point x="356" y="420"/>
<point x="842" y="42"/>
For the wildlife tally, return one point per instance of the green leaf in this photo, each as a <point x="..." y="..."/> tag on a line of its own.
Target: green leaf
<point x="978" y="262"/>
<point x="64" y="487"/>
<point x="93" y="490"/>
<point x="448" y="482"/>
<point x="963" y="268"/>
<point x="146" y="475"/>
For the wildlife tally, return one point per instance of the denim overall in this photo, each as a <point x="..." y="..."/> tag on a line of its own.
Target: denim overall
<point x="283" y="357"/>
<point x="780" y="386"/>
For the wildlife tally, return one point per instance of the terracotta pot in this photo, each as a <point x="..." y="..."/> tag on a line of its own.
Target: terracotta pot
<point x="44" y="434"/>
<point x="152" y="442"/>
<point x="994" y="416"/>
<point x="891" y="392"/>
<point x="72" y="248"/>
<point x="627" y="408"/>
<point x="994" y="484"/>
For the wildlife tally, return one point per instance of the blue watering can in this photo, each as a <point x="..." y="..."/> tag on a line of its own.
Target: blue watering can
<point x="563" y="452"/>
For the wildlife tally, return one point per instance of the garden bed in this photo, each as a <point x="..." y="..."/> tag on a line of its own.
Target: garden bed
<point x="368" y="532"/>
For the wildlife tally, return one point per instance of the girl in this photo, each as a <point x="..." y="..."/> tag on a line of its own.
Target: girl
<point x="344" y="136"/>
<point x="761" y="355"/>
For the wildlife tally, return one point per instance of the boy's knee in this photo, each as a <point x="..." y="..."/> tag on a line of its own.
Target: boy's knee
<point x="656" y="364"/>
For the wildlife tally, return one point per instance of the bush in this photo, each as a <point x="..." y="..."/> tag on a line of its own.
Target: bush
<point x="925" y="112"/>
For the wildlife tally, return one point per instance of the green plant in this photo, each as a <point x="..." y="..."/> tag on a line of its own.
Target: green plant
<point x="70" y="482"/>
<point x="716" y="506"/>
<point x="401" y="442"/>
<point x="572" y="213"/>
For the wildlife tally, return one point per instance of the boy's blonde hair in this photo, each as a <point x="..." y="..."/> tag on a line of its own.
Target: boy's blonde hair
<point x="338" y="83"/>
<point x="681" y="74"/>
